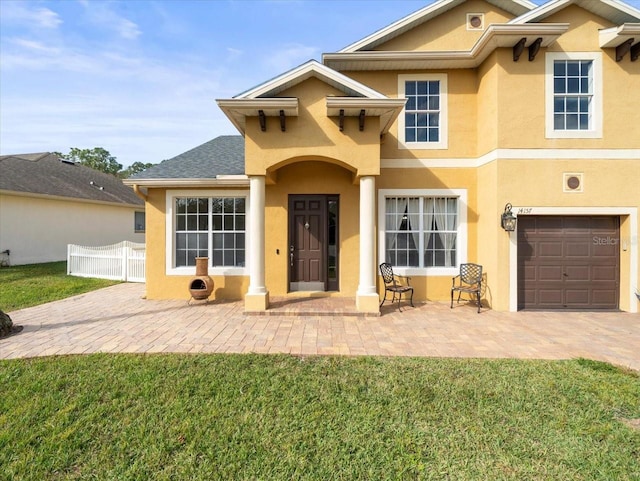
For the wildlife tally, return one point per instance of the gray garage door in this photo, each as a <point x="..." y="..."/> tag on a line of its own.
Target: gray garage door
<point x="568" y="262"/>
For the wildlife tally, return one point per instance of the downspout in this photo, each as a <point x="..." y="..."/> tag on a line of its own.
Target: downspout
<point x="139" y="193"/>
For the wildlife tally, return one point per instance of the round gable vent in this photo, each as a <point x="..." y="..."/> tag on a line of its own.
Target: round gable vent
<point x="475" y="21"/>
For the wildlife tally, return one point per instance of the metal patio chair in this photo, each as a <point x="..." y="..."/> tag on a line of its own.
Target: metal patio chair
<point x="393" y="284"/>
<point x="469" y="281"/>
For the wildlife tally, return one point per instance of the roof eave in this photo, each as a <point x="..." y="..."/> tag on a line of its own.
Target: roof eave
<point x="613" y="37"/>
<point x="237" y="110"/>
<point x="496" y="36"/>
<point x="387" y="109"/>
<point x="83" y="200"/>
<point x="219" y="181"/>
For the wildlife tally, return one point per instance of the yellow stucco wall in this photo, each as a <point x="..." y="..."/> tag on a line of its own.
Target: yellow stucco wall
<point x="313" y="134"/>
<point x="162" y="286"/>
<point x="448" y="31"/>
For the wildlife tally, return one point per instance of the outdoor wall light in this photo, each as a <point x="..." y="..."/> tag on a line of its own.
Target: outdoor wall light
<point x="508" y="220"/>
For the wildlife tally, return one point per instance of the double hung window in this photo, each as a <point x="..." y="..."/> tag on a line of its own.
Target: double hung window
<point x="423" y="125"/>
<point x="574" y="95"/>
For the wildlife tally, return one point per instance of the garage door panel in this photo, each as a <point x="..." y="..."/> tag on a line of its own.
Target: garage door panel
<point x="550" y="298"/>
<point x="604" y="297"/>
<point x="603" y="250"/>
<point x="604" y="273"/>
<point x="549" y="273"/>
<point x="549" y="249"/>
<point x="604" y="225"/>
<point x="544" y="225"/>
<point x="530" y="273"/>
<point x="576" y="249"/>
<point x="577" y="273"/>
<point x="576" y="225"/>
<point x="570" y="262"/>
<point x="576" y="297"/>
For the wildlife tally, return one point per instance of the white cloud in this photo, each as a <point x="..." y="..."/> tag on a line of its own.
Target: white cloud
<point x="23" y="14"/>
<point x="34" y="45"/>
<point x="101" y="15"/>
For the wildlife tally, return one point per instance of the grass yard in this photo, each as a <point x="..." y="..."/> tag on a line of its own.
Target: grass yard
<point x="34" y="284"/>
<point x="245" y="417"/>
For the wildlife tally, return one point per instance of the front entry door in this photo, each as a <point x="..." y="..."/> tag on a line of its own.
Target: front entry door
<point x="313" y="242"/>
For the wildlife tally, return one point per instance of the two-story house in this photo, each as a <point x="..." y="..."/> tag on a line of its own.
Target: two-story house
<point x="407" y="147"/>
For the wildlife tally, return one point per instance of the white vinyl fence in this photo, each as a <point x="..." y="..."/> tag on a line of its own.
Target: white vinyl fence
<point x="124" y="261"/>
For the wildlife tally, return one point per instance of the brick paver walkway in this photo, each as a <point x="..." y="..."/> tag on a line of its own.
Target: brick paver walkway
<point x="118" y="319"/>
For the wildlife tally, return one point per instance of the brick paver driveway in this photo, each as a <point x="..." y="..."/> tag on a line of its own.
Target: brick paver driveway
<point x="118" y="319"/>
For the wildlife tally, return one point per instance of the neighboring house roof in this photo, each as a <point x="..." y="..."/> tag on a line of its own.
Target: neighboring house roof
<point x="515" y="7"/>
<point x="222" y="156"/>
<point x="44" y="174"/>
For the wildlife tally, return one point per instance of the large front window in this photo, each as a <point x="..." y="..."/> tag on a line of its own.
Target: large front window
<point x="421" y="231"/>
<point x="211" y="227"/>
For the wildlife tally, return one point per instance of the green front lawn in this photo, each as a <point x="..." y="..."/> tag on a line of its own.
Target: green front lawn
<point x="34" y="284"/>
<point x="245" y="417"/>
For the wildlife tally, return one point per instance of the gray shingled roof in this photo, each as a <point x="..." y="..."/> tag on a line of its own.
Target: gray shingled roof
<point x="223" y="155"/>
<point x="46" y="174"/>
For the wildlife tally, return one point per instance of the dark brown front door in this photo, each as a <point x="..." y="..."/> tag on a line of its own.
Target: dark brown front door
<point x="313" y="242"/>
<point x="568" y="262"/>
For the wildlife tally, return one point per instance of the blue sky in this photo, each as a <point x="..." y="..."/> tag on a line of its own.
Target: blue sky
<point x="140" y="77"/>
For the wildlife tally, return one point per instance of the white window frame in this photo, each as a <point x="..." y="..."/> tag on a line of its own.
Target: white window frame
<point x="461" y="239"/>
<point x="170" y="219"/>
<point x="595" y="132"/>
<point x="443" y="135"/>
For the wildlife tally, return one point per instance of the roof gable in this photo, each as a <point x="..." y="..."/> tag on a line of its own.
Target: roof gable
<point x="515" y="7"/>
<point x="45" y="174"/>
<point x="312" y="68"/>
<point x="615" y="11"/>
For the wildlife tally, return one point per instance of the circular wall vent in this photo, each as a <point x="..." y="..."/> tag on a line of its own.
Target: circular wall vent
<point x="573" y="182"/>
<point x="475" y="21"/>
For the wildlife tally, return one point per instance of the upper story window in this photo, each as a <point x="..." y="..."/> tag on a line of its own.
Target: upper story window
<point x="423" y="125"/>
<point x="574" y="95"/>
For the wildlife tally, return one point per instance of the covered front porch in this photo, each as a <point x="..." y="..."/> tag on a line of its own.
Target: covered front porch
<point x="311" y="134"/>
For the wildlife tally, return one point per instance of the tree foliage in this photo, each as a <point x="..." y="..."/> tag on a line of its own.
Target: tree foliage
<point x="134" y="169"/>
<point x="100" y="159"/>
<point x="96" y="158"/>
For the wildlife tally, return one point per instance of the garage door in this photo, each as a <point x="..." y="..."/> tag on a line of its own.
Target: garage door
<point x="568" y="262"/>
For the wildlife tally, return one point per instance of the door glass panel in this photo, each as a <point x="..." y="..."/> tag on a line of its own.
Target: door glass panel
<point x="333" y="239"/>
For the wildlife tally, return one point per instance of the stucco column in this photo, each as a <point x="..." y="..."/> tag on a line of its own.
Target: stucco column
<point x="367" y="296"/>
<point x="257" y="297"/>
